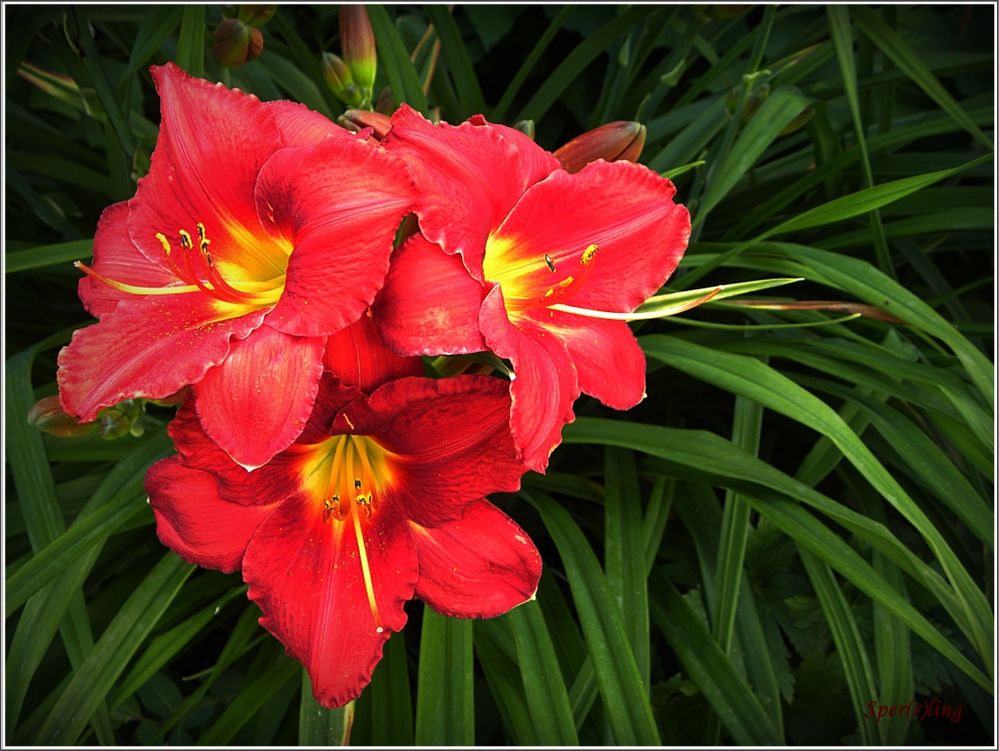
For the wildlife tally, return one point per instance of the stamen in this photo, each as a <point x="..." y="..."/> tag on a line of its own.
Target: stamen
<point x="366" y="573"/>
<point x="133" y="289"/>
<point x="636" y="316"/>
<point x="551" y="264"/>
<point x="587" y="257"/>
<point x="185" y="239"/>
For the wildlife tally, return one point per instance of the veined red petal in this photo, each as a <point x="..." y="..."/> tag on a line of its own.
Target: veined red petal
<point x="623" y="209"/>
<point x="469" y="177"/>
<point x="256" y="403"/>
<point x="449" y="439"/>
<point x="273" y="482"/>
<point x="146" y="348"/>
<point x="357" y="356"/>
<point x="309" y="579"/>
<point x="301" y="126"/>
<point x="194" y="522"/>
<point x="116" y="257"/>
<point x="212" y="144"/>
<point x="429" y="304"/>
<point x="545" y="382"/>
<point x="479" y="566"/>
<point x="609" y="363"/>
<point x="340" y="215"/>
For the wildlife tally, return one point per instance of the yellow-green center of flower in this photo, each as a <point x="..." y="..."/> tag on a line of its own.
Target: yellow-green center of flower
<point x="345" y="477"/>
<point x="537" y="279"/>
<point x="237" y="287"/>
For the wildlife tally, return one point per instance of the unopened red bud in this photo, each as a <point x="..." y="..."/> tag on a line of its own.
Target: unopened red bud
<point x="622" y="140"/>
<point x="357" y="41"/>
<point x="48" y="416"/>
<point x="358" y="120"/>
<point x="338" y="78"/>
<point x="236" y="43"/>
<point x="256" y="15"/>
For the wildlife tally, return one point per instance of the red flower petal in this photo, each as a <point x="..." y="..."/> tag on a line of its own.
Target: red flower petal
<point x="450" y="439"/>
<point x="211" y="146"/>
<point x="146" y="348"/>
<point x="624" y="209"/>
<point x="116" y="257"/>
<point x="340" y="215"/>
<point x="545" y="383"/>
<point x="256" y="403"/>
<point x="469" y="177"/>
<point x="609" y="363"/>
<point x="479" y="566"/>
<point x="194" y="522"/>
<point x="308" y="578"/>
<point x="300" y="126"/>
<point x="429" y="305"/>
<point x="357" y="356"/>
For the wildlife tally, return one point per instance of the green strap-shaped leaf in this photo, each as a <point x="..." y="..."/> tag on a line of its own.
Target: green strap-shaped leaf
<point x="445" y="706"/>
<point x="908" y="60"/>
<point x="110" y="655"/>
<point x="751" y="378"/>
<point x="459" y="64"/>
<point x="191" y="42"/>
<point x="707" y="458"/>
<point x="318" y="726"/>
<point x="726" y="691"/>
<point x="544" y="687"/>
<point x="394" y="60"/>
<point x="626" y="699"/>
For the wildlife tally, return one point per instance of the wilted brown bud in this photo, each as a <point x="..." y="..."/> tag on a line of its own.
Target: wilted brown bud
<point x="236" y="43"/>
<point x="256" y="15"/>
<point x="358" y="120"/>
<point x="48" y="416"/>
<point x="622" y="140"/>
<point x="357" y="42"/>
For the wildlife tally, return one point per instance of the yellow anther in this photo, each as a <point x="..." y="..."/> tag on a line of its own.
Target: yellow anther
<point x="185" y="239"/>
<point x="549" y="292"/>
<point x="566" y="282"/>
<point x="201" y="233"/>
<point x="164" y="242"/>
<point x="588" y="254"/>
<point x="550" y="262"/>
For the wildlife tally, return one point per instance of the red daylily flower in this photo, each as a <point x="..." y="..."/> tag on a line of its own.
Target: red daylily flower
<point x="506" y="234"/>
<point x="379" y="500"/>
<point x="261" y="229"/>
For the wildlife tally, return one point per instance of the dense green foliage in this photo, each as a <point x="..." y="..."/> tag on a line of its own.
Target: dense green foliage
<point x="797" y="521"/>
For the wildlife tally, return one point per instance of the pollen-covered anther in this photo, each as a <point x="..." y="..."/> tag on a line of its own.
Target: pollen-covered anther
<point x="588" y="254"/>
<point x="566" y="282"/>
<point x="550" y="263"/>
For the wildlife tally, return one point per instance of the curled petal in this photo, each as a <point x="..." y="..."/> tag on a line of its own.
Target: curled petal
<point x="194" y="522"/>
<point x="340" y="216"/>
<point x="545" y="382"/>
<point x="430" y="304"/>
<point x="357" y="356"/>
<point x="146" y="348"/>
<point x="331" y="592"/>
<point x="450" y="440"/>
<point x="257" y="402"/>
<point x="609" y="363"/>
<point x="479" y="566"/>
<point x="469" y="177"/>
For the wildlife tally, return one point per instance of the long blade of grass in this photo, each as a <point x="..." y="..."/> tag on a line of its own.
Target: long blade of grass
<point x="458" y="62"/>
<point x="403" y="78"/>
<point x="445" y="708"/>
<point x="318" y="726"/>
<point x="191" y="41"/>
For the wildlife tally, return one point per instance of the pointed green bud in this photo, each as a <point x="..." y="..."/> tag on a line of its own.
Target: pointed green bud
<point x="357" y="41"/>
<point x="338" y="78"/>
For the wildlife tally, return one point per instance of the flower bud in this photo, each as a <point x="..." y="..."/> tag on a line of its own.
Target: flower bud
<point x="358" y="120"/>
<point x="338" y="78"/>
<point x="357" y="41"/>
<point x="526" y="127"/>
<point x="256" y="15"/>
<point x="236" y="43"/>
<point x="622" y="140"/>
<point x="48" y="416"/>
<point x="122" y="419"/>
